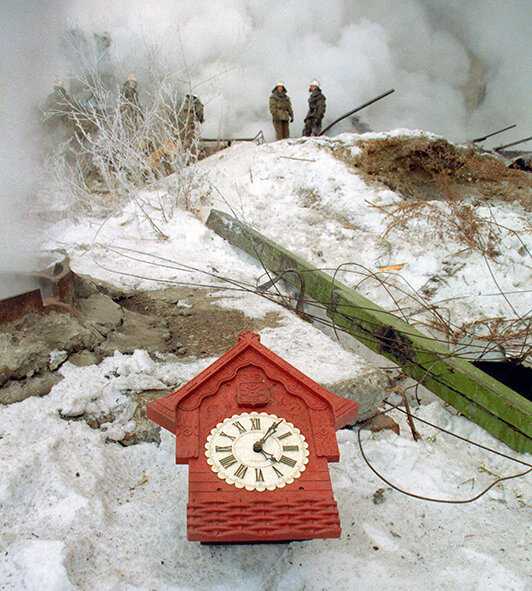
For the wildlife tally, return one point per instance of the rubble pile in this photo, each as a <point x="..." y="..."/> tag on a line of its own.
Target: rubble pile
<point x="426" y="168"/>
<point x="171" y="322"/>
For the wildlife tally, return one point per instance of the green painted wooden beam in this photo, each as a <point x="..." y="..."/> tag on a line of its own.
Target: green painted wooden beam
<point x="502" y="412"/>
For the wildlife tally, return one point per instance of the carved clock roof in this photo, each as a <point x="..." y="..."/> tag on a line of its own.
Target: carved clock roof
<point x="163" y="410"/>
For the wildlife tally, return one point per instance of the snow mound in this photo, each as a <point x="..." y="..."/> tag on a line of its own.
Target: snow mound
<point x="80" y="512"/>
<point x="468" y="262"/>
<point x="460" y="268"/>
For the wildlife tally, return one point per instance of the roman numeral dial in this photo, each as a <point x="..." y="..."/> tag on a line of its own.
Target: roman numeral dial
<point x="222" y="448"/>
<point x="241" y="471"/>
<point x="288" y="461"/>
<point x="290" y="447"/>
<point x="257" y="451"/>
<point x="228" y="461"/>
<point x="240" y="427"/>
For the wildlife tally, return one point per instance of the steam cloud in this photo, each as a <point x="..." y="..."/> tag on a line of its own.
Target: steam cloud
<point x="27" y="47"/>
<point x="436" y="54"/>
<point x="440" y="56"/>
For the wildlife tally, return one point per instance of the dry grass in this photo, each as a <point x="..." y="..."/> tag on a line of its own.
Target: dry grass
<point x="426" y="169"/>
<point x="460" y="221"/>
<point x="426" y="172"/>
<point x="511" y="336"/>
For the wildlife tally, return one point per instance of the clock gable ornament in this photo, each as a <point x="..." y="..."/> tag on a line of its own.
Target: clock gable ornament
<point x="257" y="435"/>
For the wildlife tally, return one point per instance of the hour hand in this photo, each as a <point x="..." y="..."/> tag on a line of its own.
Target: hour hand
<point x="268" y="455"/>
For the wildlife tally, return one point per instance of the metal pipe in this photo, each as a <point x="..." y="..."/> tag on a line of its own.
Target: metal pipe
<point x="228" y="139"/>
<point x="374" y="100"/>
<point x="526" y="139"/>
<point x="483" y="138"/>
<point x="259" y="138"/>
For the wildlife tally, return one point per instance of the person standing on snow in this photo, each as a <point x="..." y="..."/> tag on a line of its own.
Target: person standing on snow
<point x="191" y="115"/>
<point x="316" y="109"/>
<point x="130" y="105"/>
<point x="281" y="110"/>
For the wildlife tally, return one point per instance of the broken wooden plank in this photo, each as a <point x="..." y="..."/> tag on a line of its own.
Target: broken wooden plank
<point x="489" y="403"/>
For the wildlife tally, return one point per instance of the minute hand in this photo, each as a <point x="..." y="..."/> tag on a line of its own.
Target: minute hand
<point x="269" y="433"/>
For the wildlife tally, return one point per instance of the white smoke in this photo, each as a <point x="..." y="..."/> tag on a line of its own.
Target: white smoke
<point x="28" y="50"/>
<point x="232" y="52"/>
<point x="427" y="50"/>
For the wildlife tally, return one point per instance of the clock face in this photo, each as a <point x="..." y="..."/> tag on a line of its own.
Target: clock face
<point x="256" y="451"/>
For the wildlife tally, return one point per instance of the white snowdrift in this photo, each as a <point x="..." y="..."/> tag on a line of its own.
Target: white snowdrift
<point x="78" y="511"/>
<point x="298" y="194"/>
<point x="81" y="512"/>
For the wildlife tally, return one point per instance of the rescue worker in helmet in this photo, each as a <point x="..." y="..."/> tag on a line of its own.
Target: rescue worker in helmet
<point x="190" y="116"/>
<point x="130" y="105"/>
<point x="316" y="110"/>
<point x="58" y="104"/>
<point x="281" y="111"/>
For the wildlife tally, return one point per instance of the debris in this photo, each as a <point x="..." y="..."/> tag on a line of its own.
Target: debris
<point x="369" y="389"/>
<point x="381" y="423"/>
<point x="522" y="141"/>
<point x="363" y="106"/>
<point x="491" y="404"/>
<point x="35" y="346"/>
<point x="83" y="358"/>
<point x="299" y="159"/>
<point x="378" y="496"/>
<point x="522" y="163"/>
<point x="144" y="480"/>
<point x="485" y="137"/>
<point x="425" y="169"/>
<point x="397" y="267"/>
<point x="56" y="359"/>
<point x="36" y="385"/>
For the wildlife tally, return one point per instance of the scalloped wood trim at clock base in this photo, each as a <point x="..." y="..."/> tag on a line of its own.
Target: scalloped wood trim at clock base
<point x="275" y="521"/>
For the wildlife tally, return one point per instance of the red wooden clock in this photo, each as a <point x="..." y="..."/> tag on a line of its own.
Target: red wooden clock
<point x="257" y="435"/>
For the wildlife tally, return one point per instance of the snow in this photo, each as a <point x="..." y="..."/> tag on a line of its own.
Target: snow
<point x="297" y="193"/>
<point x="27" y="570"/>
<point x="80" y="511"/>
<point x="311" y="351"/>
<point x="336" y="225"/>
<point x="126" y="250"/>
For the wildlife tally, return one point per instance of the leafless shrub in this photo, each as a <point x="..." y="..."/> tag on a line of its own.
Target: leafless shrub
<point x="112" y="146"/>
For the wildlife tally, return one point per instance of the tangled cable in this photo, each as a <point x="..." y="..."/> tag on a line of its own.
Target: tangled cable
<point x="433" y="499"/>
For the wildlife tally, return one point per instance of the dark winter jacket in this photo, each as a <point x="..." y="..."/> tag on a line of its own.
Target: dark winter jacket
<point x="281" y="106"/>
<point x="130" y="93"/>
<point x="191" y="110"/>
<point x="316" y="105"/>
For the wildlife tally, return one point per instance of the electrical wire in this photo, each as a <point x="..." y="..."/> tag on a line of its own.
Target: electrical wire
<point x="434" y="499"/>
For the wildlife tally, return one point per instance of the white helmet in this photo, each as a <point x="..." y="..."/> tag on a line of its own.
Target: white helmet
<point x="315" y="83"/>
<point x="280" y="84"/>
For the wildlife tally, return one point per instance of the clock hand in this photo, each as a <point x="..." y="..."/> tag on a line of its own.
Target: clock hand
<point x="257" y="446"/>
<point x="268" y="456"/>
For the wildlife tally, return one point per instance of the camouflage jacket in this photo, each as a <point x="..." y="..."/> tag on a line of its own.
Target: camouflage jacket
<point x="280" y="106"/>
<point x="316" y="105"/>
<point x="130" y="93"/>
<point x="191" y="110"/>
